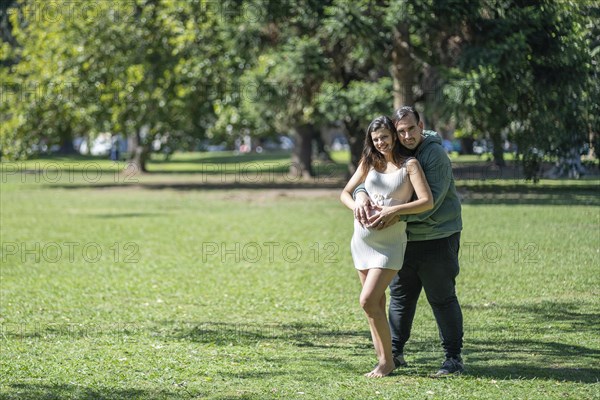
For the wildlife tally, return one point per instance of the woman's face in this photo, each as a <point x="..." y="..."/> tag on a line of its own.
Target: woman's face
<point x="383" y="140"/>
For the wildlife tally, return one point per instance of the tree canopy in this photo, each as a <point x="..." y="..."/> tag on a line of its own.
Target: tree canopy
<point x="181" y="71"/>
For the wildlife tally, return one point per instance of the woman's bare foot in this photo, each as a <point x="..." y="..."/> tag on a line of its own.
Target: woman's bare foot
<point x="381" y="370"/>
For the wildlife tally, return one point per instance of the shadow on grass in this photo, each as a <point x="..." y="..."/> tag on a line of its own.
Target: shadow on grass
<point x="487" y="171"/>
<point x="301" y="367"/>
<point x="188" y="186"/>
<point x="549" y="200"/>
<point x="125" y="215"/>
<point x="254" y="375"/>
<point x="516" y="355"/>
<point x="519" y="351"/>
<point x="479" y="183"/>
<point x="564" y="312"/>
<point x="299" y="334"/>
<point x="226" y="158"/>
<point x="251" y="172"/>
<point x="528" y="351"/>
<point x="473" y="194"/>
<point x="512" y="359"/>
<point x="505" y="359"/>
<point x="521" y="193"/>
<point x="32" y="391"/>
<point x="513" y="353"/>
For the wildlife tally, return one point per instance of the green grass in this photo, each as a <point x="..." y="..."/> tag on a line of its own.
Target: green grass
<point x="167" y="286"/>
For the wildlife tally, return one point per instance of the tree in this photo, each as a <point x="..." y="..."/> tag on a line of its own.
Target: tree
<point x="181" y="71"/>
<point x="355" y="106"/>
<point x="386" y="53"/>
<point x="285" y="78"/>
<point x="161" y="70"/>
<point x="287" y="81"/>
<point x="524" y="73"/>
<point x="323" y="67"/>
<point x="40" y="96"/>
<point x="147" y="69"/>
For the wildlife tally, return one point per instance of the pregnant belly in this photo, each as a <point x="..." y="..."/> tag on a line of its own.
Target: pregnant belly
<point x="369" y="233"/>
<point x="381" y="241"/>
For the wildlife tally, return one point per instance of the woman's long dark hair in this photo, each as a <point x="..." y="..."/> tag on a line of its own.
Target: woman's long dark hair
<point x="371" y="157"/>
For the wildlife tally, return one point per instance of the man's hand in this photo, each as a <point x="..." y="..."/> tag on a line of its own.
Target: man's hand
<point x="363" y="208"/>
<point x="382" y="218"/>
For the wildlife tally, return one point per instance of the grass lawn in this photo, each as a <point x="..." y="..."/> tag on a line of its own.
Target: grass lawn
<point x="168" y="286"/>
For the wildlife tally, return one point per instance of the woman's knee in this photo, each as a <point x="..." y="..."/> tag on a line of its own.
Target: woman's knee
<point x="372" y="306"/>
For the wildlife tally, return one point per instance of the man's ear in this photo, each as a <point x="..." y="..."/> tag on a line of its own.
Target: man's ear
<point x="421" y="125"/>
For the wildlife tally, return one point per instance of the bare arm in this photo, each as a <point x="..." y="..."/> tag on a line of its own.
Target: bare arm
<point x="423" y="203"/>
<point x="438" y="173"/>
<point x="363" y="207"/>
<point x="362" y="202"/>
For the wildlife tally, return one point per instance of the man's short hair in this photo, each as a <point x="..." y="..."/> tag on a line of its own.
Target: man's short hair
<point x="403" y="112"/>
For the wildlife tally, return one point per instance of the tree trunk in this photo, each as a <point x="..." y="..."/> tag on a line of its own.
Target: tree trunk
<point x="66" y="142"/>
<point x="356" y="139"/>
<point x="402" y="69"/>
<point x="498" y="151"/>
<point x="138" y="160"/>
<point x="466" y="144"/>
<point x="301" y="165"/>
<point x="322" y="153"/>
<point x="139" y="155"/>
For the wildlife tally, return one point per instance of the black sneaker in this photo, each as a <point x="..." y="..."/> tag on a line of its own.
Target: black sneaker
<point x="451" y="366"/>
<point x="399" y="361"/>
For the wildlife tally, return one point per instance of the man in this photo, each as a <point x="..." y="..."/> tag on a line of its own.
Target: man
<point x="431" y="257"/>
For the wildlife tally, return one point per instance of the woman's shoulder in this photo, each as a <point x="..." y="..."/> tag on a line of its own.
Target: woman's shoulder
<point x="411" y="165"/>
<point x="410" y="161"/>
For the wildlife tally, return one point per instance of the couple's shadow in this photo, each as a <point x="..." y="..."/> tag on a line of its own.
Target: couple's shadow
<point x="524" y="352"/>
<point x="558" y="342"/>
<point x="515" y="359"/>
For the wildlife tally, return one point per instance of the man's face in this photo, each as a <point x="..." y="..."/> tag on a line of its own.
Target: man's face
<point x="409" y="132"/>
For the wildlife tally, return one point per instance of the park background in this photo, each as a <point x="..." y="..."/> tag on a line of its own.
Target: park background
<point x="170" y="221"/>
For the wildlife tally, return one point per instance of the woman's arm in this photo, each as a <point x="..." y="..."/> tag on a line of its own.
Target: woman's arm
<point x="423" y="203"/>
<point x="346" y="196"/>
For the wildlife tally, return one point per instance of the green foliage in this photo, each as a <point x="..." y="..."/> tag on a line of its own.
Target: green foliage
<point x="186" y="70"/>
<point x="40" y="92"/>
<point x="526" y="72"/>
<point x="154" y="64"/>
<point x="359" y="100"/>
<point x="287" y="82"/>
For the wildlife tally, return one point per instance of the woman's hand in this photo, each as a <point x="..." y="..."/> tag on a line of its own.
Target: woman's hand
<point x="363" y="208"/>
<point x="382" y="218"/>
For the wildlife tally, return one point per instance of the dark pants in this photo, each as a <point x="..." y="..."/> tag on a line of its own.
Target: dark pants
<point x="432" y="265"/>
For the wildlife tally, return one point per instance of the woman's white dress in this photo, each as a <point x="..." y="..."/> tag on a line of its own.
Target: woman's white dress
<point x="383" y="248"/>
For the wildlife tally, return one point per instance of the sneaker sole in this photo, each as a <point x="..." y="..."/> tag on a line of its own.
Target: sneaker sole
<point x="446" y="375"/>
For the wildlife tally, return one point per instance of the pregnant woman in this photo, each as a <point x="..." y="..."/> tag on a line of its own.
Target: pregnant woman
<point x="390" y="177"/>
